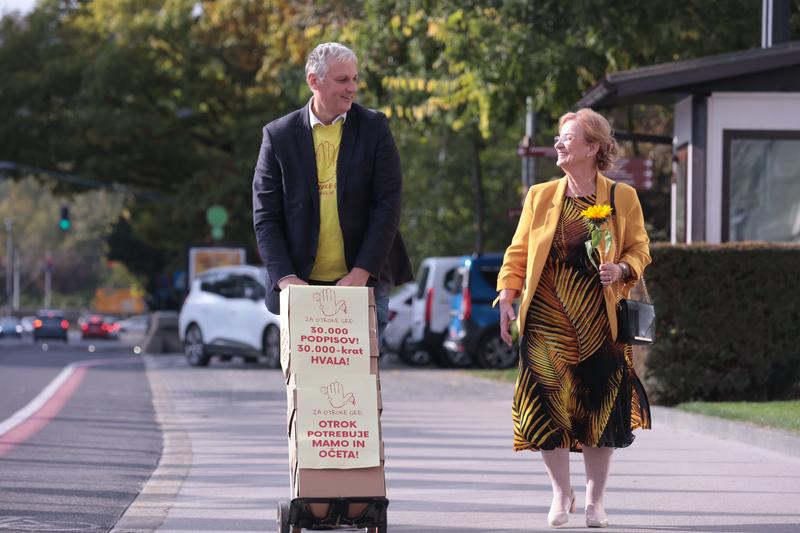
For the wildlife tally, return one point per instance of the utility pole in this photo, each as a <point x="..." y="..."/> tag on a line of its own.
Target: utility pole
<point x="15" y="298"/>
<point x="48" y="268"/>
<point x="528" y="162"/>
<point x="9" y="262"/>
<point x="775" y="22"/>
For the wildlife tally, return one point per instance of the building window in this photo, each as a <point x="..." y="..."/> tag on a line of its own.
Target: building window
<point x="680" y="172"/>
<point x="761" y="186"/>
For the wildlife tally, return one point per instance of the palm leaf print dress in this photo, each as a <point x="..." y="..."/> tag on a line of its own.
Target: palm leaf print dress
<point x="575" y="385"/>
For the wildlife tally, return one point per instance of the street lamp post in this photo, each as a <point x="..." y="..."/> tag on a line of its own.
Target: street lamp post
<point x="48" y="275"/>
<point x="15" y="290"/>
<point x="528" y="161"/>
<point x="9" y="262"/>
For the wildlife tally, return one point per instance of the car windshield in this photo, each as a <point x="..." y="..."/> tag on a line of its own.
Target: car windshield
<point x="50" y="314"/>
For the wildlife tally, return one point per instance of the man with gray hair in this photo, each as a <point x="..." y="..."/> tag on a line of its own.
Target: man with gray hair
<point x="327" y="187"/>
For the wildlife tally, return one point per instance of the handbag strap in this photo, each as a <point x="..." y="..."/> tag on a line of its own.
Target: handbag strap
<point x="614" y="213"/>
<point x="613" y="208"/>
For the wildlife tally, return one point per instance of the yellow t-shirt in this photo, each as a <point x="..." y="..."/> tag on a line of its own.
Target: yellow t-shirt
<point x="329" y="264"/>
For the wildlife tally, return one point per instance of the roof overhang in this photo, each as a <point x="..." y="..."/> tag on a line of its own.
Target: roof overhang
<point x="775" y="69"/>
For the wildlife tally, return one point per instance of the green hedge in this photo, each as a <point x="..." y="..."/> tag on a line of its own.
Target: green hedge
<point x="728" y="322"/>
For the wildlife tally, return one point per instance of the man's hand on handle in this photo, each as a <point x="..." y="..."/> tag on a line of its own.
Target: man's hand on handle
<point x="357" y="277"/>
<point x="507" y="314"/>
<point x="290" y="280"/>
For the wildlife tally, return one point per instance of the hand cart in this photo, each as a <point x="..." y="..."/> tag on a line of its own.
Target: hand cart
<point x="297" y="515"/>
<point x="341" y="510"/>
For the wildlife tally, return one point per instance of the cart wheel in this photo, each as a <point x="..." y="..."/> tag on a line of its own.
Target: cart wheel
<point x="283" y="518"/>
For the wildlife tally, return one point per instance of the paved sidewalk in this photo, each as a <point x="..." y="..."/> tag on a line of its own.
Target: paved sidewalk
<point x="449" y="463"/>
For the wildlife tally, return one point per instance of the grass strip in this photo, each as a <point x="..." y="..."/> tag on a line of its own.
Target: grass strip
<point x="507" y="375"/>
<point x="781" y="415"/>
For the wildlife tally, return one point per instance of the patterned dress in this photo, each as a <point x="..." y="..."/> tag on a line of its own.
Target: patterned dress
<point x="575" y="385"/>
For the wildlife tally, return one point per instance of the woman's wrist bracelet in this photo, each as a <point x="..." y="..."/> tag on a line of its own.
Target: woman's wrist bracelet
<point x="626" y="271"/>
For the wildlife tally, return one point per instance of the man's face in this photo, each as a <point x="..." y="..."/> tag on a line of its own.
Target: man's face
<point x="334" y="94"/>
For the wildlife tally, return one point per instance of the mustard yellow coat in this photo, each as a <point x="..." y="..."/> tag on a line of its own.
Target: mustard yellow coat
<point x="525" y="258"/>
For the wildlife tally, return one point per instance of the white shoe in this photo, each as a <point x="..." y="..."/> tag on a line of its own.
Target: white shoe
<point x="594" y="519"/>
<point x="559" y="518"/>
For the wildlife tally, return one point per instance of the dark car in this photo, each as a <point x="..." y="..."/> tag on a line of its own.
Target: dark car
<point x="474" y="331"/>
<point x="50" y="324"/>
<point x="98" y="327"/>
<point x="10" y="327"/>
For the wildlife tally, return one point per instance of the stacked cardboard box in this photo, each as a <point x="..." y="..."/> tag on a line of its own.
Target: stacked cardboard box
<point x="342" y="481"/>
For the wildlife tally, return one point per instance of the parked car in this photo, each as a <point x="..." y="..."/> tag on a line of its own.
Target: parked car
<point x="27" y="324"/>
<point x="224" y="315"/>
<point x="474" y="331"/>
<point x="10" y="327"/>
<point x="50" y="324"/>
<point x="98" y="327"/>
<point x="397" y="336"/>
<point x="431" y="306"/>
<point x="137" y="324"/>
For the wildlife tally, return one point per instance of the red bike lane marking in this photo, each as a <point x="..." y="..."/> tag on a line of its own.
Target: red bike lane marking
<point x="31" y="421"/>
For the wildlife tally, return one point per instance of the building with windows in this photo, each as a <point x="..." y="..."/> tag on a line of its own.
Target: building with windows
<point x="736" y="140"/>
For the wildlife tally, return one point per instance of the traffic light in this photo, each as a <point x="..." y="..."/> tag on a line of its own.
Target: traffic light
<point x="64" y="223"/>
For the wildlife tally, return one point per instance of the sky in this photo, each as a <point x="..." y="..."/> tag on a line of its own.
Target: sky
<point x="24" y="6"/>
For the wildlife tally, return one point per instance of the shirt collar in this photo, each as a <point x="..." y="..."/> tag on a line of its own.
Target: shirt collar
<point x="314" y="120"/>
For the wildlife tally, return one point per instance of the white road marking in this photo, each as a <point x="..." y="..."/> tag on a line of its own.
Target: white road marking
<point x="48" y="392"/>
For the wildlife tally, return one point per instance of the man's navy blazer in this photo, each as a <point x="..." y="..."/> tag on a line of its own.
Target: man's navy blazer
<point x="368" y="190"/>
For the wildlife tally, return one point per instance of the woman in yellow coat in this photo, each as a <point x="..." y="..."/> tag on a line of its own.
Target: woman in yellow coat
<point x="576" y="389"/>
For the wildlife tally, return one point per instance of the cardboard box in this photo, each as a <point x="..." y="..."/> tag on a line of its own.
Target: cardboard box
<point x="290" y="339"/>
<point x="293" y="466"/>
<point x="291" y="398"/>
<point x="334" y="482"/>
<point x="357" y="482"/>
<point x="330" y="482"/>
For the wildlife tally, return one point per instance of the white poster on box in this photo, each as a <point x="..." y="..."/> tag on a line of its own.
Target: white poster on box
<point x="328" y="329"/>
<point x="337" y="421"/>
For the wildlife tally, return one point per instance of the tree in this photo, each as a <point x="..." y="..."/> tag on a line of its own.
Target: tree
<point x="171" y="95"/>
<point x="78" y="255"/>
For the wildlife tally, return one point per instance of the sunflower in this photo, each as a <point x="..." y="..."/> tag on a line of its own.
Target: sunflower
<point x="597" y="213"/>
<point x="595" y="217"/>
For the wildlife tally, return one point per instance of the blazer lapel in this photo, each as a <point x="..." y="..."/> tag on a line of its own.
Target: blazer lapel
<point x="554" y="212"/>
<point x="346" y="147"/>
<point x="550" y="223"/>
<point x="308" y="158"/>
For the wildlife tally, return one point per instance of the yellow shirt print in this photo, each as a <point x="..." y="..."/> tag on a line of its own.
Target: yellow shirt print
<point x="329" y="264"/>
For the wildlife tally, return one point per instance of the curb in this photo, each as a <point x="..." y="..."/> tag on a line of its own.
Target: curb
<point x="150" y="507"/>
<point x="771" y="439"/>
<point x="775" y="440"/>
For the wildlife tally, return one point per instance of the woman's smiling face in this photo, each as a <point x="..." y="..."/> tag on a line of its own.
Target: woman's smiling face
<point x="571" y="145"/>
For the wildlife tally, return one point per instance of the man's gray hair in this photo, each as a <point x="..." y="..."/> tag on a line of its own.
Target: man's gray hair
<point x="319" y="56"/>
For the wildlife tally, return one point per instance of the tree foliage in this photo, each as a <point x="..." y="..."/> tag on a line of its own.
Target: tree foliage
<point x="170" y="96"/>
<point x="78" y="255"/>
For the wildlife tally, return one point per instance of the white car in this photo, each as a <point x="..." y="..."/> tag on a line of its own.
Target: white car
<point x="224" y="314"/>
<point x="431" y="306"/>
<point x="27" y="324"/>
<point x="397" y="336"/>
<point x="137" y="324"/>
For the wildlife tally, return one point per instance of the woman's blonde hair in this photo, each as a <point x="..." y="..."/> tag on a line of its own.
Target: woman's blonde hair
<point x="597" y="130"/>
